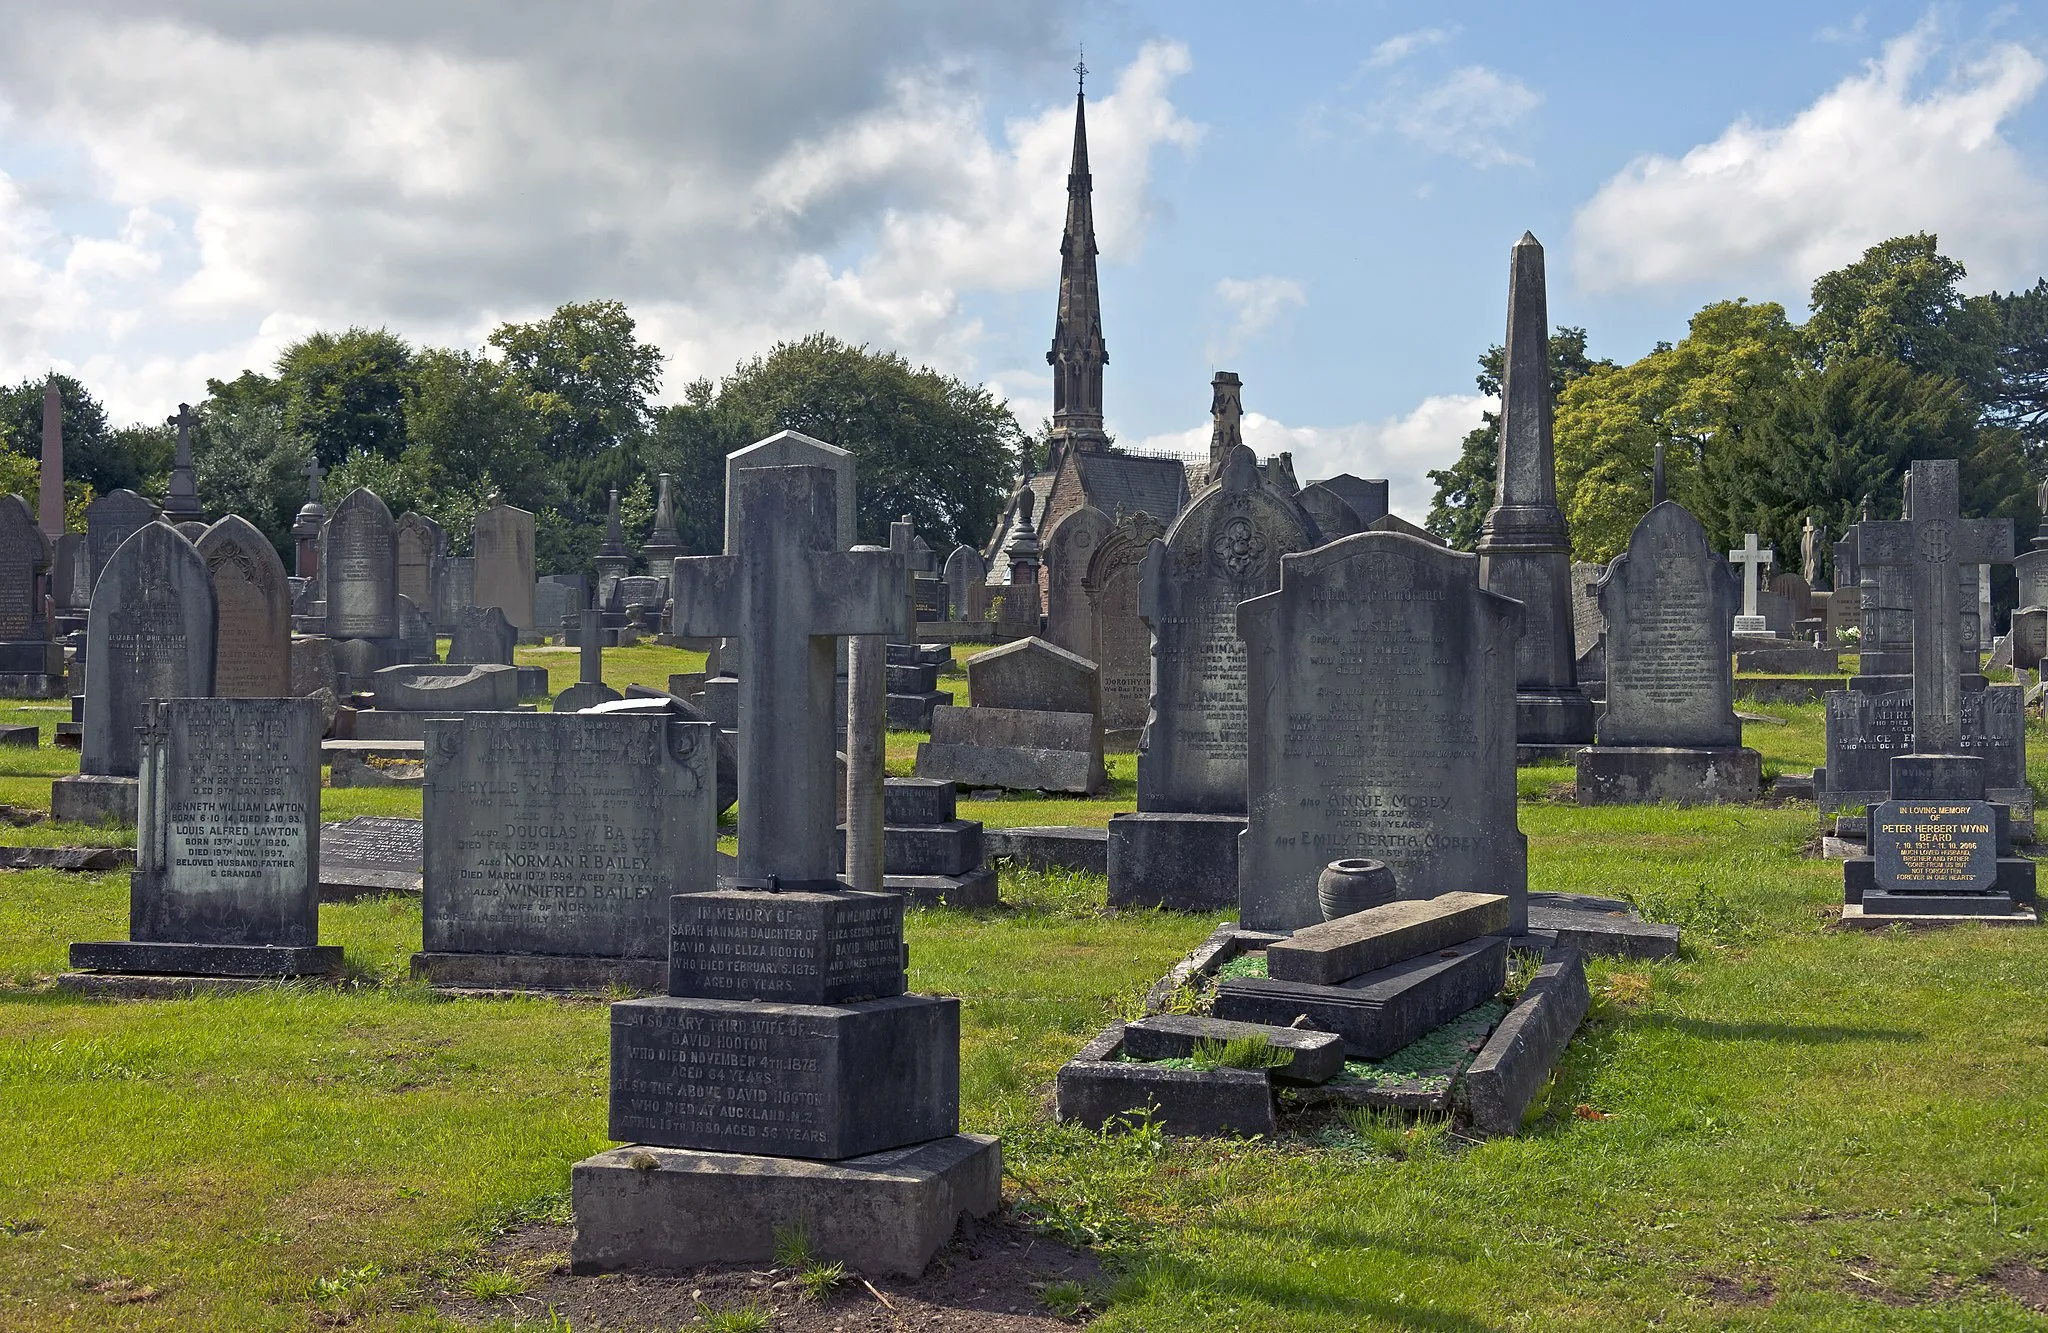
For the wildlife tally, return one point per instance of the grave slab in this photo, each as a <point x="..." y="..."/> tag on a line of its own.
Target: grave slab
<point x="675" y="1210"/>
<point x="974" y="888"/>
<point x="1050" y="847"/>
<point x="1332" y="952"/>
<point x="219" y="960"/>
<point x="1100" y="1091"/>
<point x="517" y="972"/>
<point x="369" y="856"/>
<point x="1317" y="1056"/>
<point x="91" y="798"/>
<point x="1597" y="928"/>
<point x="1380" y="1012"/>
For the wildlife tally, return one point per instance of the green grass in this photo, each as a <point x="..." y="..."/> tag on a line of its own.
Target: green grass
<point x="1830" y="1117"/>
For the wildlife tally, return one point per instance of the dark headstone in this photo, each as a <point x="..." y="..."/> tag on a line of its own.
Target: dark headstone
<point x="110" y="520"/>
<point x="1934" y="846"/>
<point x="360" y="565"/>
<point x="25" y="647"/>
<point x="483" y="635"/>
<point x="1333" y="516"/>
<point x="1068" y="547"/>
<point x="150" y="636"/>
<point x="1123" y="643"/>
<point x="792" y="948"/>
<point x="1382" y="726"/>
<point x="416" y="633"/>
<point x="253" y="643"/>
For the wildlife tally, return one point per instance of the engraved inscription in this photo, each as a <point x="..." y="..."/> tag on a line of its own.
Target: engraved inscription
<point x="733" y="1082"/>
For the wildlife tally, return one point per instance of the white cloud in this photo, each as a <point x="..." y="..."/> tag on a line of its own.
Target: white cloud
<point x="234" y="176"/>
<point x="1466" y="115"/>
<point x="1401" y="449"/>
<point x="1873" y="157"/>
<point x="1399" y="47"/>
<point x="1255" y="305"/>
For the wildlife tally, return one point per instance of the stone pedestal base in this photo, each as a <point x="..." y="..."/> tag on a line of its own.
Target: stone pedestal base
<point x="1854" y="917"/>
<point x="91" y="799"/>
<point x="976" y="888"/>
<point x="20" y="685"/>
<point x="1563" y="717"/>
<point x="207" y="960"/>
<point x="913" y="712"/>
<point x="1658" y="775"/>
<point x="539" y="972"/>
<point x="1185" y="863"/>
<point x="674" y="1209"/>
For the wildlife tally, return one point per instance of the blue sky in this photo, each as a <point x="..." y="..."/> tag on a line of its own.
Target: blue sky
<point x="1319" y="196"/>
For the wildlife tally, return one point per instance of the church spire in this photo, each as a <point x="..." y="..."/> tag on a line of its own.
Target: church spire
<point x="1078" y="353"/>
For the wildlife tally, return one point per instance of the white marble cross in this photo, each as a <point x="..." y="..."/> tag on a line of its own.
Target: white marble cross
<point x="1753" y="562"/>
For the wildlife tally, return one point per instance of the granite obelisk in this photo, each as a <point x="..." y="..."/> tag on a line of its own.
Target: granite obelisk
<point x="1524" y="548"/>
<point x="50" y="487"/>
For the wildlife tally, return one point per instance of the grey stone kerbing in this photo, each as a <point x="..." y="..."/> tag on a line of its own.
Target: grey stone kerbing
<point x="1336" y="951"/>
<point x="1317" y="1056"/>
<point x="1050" y="847"/>
<point x="1181" y="862"/>
<point x="66" y="858"/>
<point x="673" y="1210"/>
<point x="1660" y="775"/>
<point x="164" y="986"/>
<point x="91" y="798"/>
<point x="1098" y="1090"/>
<point x="1380" y="1012"/>
<point x="538" y="972"/>
<point x="218" y="960"/>
<point x="1512" y="1067"/>
<point x="1598" y="928"/>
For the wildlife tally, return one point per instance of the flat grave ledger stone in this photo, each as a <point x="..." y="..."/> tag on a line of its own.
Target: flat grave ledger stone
<point x="253" y="638"/>
<point x="1017" y="749"/>
<point x="1068" y="547"/>
<point x="361" y="567"/>
<point x="1033" y="674"/>
<point x="1123" y="644"/>
<point x="1382" y="726"/>
<point x="553" y="843"/>
<point x="227" y="849"/>
<point x="1223" y="549"/>
<point x="422" y="545"/>
<point x="1934" y="846"/>
<point x="370" y="855"/>
<point x="110" y="520"/>
<point x="504" y="562"/>
<point x="444" y="687"/>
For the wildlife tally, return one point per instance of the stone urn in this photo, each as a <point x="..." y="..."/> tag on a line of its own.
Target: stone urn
<point x="1352" y="885"/>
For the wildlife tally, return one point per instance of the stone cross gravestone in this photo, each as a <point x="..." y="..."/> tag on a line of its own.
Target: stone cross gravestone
<point x="150" y="636"/>
<point x="1068" y="547"/>
<point x="554" y="842"/>
<point x="784" y="596"/>
<point x="1122" y="650"/>
<point x="181" y="499"/>
<point x="1224" y="548"/>
<point x="1382" y="725"/>
<point x="783" y="449"/>
<point x="110" y="520"/>
<point x="253" y="640"/>
<point x="226" y="879"/>
<point x="1753" y="562"/>
<point x="361" y="569"/>
<point x="422" y="546"/>
<point x="504" y="562"/>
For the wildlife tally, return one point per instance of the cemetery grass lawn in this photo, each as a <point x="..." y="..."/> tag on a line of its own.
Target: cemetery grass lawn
<point x="1788" y="1126"/>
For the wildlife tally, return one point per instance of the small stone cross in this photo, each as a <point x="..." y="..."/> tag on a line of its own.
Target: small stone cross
<point x="1754" y="562"/>
<point x="1933" y="542"/>
<point x="786" y="594"/>
<point x="314" y="472"/>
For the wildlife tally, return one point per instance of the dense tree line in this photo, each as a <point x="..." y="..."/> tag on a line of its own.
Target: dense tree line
<point x="551" y="415"/>
<point x="1766" y="422"/>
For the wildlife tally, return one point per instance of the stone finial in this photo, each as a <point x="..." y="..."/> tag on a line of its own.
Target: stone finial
<point x="1657" y="476"/>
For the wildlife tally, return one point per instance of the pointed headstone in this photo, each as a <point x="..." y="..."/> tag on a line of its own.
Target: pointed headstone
<point x="253" y="642"/>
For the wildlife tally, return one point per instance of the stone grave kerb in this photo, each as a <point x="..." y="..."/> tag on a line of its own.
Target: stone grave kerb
<point x="786" y="595"/>
<point x="1752" y="561"/>
<point x="1933" y="543"/>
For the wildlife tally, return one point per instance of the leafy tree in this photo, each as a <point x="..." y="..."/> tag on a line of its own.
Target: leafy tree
<point x="245" y="461"/>
<point x="1701" y="399"/>
<point x="97" y="458"/>
<point x="344" y="393"/>
<point x="2019" y="402"/>
<point x="585" y="376"/>
<point x="924" y="444"/>
<point x="1465" y="490"/>
<point x="1901" y="300"/>
<point x="689" y="441"/>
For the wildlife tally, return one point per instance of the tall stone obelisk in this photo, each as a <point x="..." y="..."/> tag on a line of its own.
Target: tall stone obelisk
<point x="50" y="489"/>
<point x="1525" y="551"/>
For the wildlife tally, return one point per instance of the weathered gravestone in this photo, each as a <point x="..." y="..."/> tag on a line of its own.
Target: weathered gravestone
<point x="504" y="562"/>
<point x="150" y="636"/>
<point x="416" y="633"/>
<point x="1068" y="547"/>
<point x="483" y="634"/>
<point x="361" y="569"/>
<point x="1033" y="674"/>
<point x="1333" y="515"/>
<point x="1224" y="549"/>
<point x="226" y="880"/>
<point x="1366" y="498"/>
<point x="554" y="842"/>
<point x="253" y="638"/>
<point x="1122" y="651"/>
<point x="110" y="520"/>
<point x="556" y="596"/>
<point x="966" y="572"/>
<point x="1669" y="732"/>
<point x="458" y="589"/>
<point x="1032" y="726"/>
<point x="31" y="666"/>
<point x="786" y="449"/>
<point x="422" y="546"/>
<point x="786" y="1033"/>
<point x="369" y="856"/>
<point x="1382" y="725"/>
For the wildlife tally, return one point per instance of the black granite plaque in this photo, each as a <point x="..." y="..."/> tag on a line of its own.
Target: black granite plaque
<point x="798" y="948"/>
<point x="1938" y="846"/>
<point x="784" y="1079"/>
